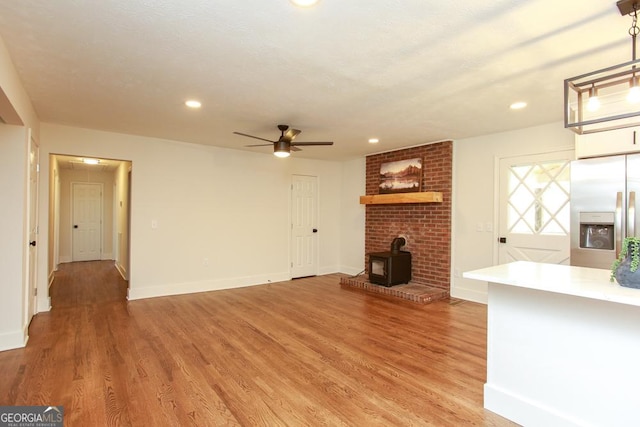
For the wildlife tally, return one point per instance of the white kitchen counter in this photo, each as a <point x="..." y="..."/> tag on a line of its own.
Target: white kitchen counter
<point x="578" y="281"/>
<point x="563" y="346"/>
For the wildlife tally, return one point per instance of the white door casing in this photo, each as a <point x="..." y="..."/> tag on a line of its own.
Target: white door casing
<point x="304" y="227"/>
<point x="633" y="195"/>
<point x="34" y="169"/>
<point x="86" y="224"/>
<point x="534" y="210"/>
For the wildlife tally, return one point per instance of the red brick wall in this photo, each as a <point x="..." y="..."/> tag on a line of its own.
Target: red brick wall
<point x="427" y="226"/>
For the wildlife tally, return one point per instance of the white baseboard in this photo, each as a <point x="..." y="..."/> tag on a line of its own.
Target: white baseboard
<point x="12" y="340"/>
<point x="328" y="270"/>
<point x="103" y="257"/>
<point x="44" y="304"/>
<point x="351" y="271"/>
<point x="469" y="295"/>
<point x="121" y="270"/>
<point x="135" y="293"/>
<point x="25" y="334"/>
<point x="52" y="276"/>
<point x="524" y="411"/>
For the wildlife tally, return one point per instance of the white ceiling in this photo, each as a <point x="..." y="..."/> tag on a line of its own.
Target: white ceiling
<point x="406" y="71"/>
<point x="77" y="164"/>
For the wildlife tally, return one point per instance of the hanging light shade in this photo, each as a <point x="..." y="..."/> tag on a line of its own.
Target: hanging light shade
<point x="282" y="149"/>
<point x="606" y="99"/>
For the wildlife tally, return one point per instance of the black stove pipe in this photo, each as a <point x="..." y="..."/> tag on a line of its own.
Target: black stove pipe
<point x="396" y="244"/>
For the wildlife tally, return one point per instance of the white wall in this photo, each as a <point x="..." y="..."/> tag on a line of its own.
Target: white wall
<point x="121" y="241"/>
<point x="12" y="212"/>
<point x="230" y="207"/>
<point x="53" y="205"/>
<point x="15" y="104"/>
<point x="329" y="204"/>
<point x="352" y="222"/>
<point x="474" y="175"/>
<point x="15" y="108"/>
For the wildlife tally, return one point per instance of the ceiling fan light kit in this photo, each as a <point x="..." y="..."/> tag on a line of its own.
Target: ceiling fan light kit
<point x="281" y="149"/>
<point x="285" y="144"/>
<point x="609" y="98"/>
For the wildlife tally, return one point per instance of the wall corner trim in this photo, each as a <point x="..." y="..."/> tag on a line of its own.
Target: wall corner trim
<point x="14" y="339"/>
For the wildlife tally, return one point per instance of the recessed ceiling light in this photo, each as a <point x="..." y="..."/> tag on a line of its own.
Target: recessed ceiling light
<point x="373" y="140"/>
<point x="192" y="103"/>
<point x="91" y="161"/>
<point x="518" y="105"/>
<point x="304" y="3"/>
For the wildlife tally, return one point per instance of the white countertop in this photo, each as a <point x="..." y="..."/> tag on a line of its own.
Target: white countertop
<point x="563" y="279"/>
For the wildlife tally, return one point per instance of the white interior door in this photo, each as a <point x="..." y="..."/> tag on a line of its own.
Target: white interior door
<point x="304" y="227"/>
<point x="534" y="208"/>
<point x="34" y="169"/>
<point x="87" y="221"/>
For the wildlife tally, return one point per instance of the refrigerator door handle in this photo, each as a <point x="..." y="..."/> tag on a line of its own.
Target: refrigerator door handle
<point x="631" y="215"/>
<point x="618" y="224"/>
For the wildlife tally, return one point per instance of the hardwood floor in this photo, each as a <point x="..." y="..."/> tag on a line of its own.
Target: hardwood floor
<point x="304" y="352"/>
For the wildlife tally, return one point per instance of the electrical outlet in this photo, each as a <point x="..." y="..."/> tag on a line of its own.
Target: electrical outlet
<point x="205" y="262"/>
<point x="479" y="226"/>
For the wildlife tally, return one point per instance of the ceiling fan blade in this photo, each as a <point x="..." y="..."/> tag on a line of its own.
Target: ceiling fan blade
<point x="292" y="148"/>
<point x="290" y="134"/>
<point x="312" y="143"/>
<point x="254" y="137"/>
<point x="257" y="145"/>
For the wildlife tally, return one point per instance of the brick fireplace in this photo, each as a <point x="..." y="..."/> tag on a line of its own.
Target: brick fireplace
<point x="427" y="226"/>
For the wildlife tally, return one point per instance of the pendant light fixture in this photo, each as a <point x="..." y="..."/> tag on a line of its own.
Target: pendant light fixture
<point x="609" y="98"/>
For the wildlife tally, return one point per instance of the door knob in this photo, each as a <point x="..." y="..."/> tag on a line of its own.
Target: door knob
<point x="315" y="230"/>
<point x="32" y="243"/>
<point x="75" y="226"/>
<point x="502" y="240"/>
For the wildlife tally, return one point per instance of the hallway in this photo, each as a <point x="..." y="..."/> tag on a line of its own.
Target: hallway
<point x="88" y="282"/>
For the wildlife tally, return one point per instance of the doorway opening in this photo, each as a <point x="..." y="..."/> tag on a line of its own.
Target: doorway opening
<point x="89" y="217"/>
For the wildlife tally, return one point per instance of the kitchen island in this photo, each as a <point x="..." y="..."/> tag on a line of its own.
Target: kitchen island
<point x="563" y="346"/>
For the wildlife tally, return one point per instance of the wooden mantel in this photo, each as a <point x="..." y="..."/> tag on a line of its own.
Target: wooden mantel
<point x="385" y="199"/>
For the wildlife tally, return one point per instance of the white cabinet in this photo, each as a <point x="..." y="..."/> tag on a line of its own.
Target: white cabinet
<point x="605" y="143"/>
<point x="562" y="345"/>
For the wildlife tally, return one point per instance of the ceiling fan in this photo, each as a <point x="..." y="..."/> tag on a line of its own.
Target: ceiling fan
<point x="285" y="144"/>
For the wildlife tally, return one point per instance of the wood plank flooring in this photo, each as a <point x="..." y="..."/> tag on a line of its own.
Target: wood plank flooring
<point x="297" y="353"/>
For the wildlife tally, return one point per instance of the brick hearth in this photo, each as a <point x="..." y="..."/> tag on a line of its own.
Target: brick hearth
<point x="416" y="292"/>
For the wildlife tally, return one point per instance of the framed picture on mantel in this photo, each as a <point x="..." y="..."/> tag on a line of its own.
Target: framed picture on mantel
<point x="403" y="176"/>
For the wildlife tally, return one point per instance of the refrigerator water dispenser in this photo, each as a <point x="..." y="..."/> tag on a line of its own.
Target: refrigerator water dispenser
<point x="597" y="230"/>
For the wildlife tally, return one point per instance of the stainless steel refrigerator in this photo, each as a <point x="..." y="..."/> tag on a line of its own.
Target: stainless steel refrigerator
<point x="604" y="210"/>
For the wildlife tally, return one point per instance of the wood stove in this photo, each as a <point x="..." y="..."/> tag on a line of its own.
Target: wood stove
<point x="390" y="268"/>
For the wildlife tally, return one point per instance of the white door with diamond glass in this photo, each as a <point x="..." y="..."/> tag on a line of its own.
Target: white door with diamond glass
<point x="534" y="208"/>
